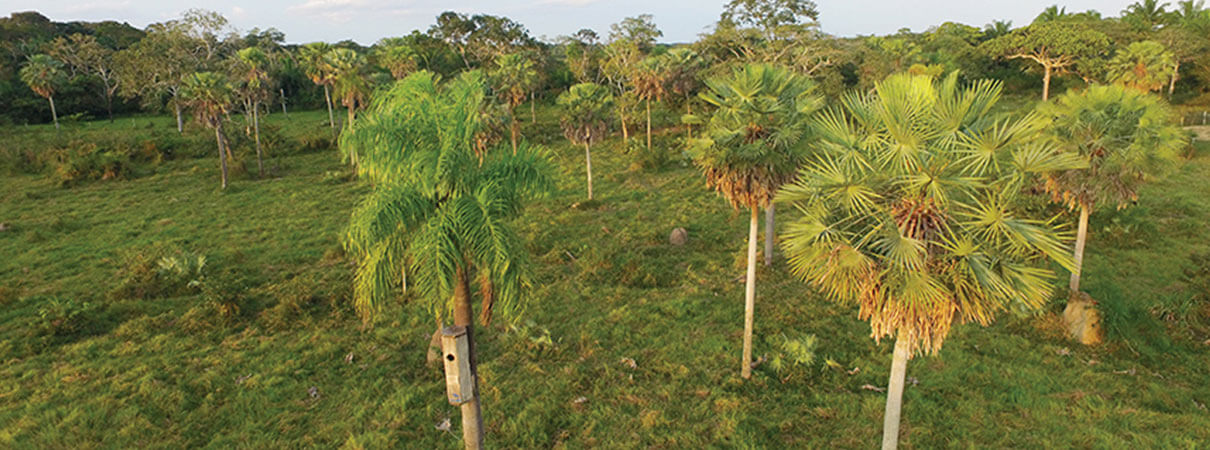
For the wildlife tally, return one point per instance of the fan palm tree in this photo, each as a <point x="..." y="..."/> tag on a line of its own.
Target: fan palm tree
<point x="907" y="211"/>
<point x="437" y="210"/>
<point x="514" y="78"/>
<point x="647" y="82"/>
<point x="312" y="57"/>
<point x="252" y="66"/>
<point x="209" y="95"/>
<point x="1144" y="65"/>
<point x="753" y="142"/>
<point x="347" y="69"/>
<point x="43" y="75"/>
<point x="1125" y="135"/>
<point x="586" y="118"/>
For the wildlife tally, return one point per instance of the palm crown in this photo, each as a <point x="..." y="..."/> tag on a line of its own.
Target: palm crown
<point x="907" y="209"/>
<point x="209" y="95"/>
<point x="437" y="210"/>
<point x="42" y="74"/>
<point x="754" y="141"/>
<point x="586" y="112"/>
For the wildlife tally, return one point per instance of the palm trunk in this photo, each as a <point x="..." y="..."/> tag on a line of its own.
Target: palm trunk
<point x="260" y="165"/>
<point x="222" y="156"/>
<point x="625" y="131"/>
<point x="1078" y="257"/>
<point x="1176" y="71"/>
<point x="1046" y="83"/>
<point x="180" y="124"/>
<point x="472" y="419"/>
<point x="648" y="124"/>
<point x="513" y="131"/>
<point x="331" y="119"/>
<point x="283" y="103"/>
<point x="750" y="295"/>
<point x="894" y="396"/>
<point x="53" y="115"/>
<point x="348" y="127"/>
<point x="769" y="238"/>
<point x="588" y="166"/>
<point x="533" y="114"/>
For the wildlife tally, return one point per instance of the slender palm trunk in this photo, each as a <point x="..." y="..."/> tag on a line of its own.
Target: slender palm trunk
<point x="1176" y="71"/>
<point x="180" y="123"/>
<point x="1046" y="83"/>
<point x="222" y="156"/>
<point x="53" y="115"/>
<point x="533" y="114"/>
<point x="260" y="165"/>
<point x="894" y="396"/>
<point x="769" y="238"/>
<point x="625" y="131"/>
<point x="282" y="91"/>
<point x="648" y="124"/>
<point x="513" y="131"/>
<point x="588" y="166"/>
<point x="352" y="152"/>
<point x="472" y="419"/>
<point x="750" y="294"/>
<point x="1078" y="257"/>
<point x="331" y="119"/>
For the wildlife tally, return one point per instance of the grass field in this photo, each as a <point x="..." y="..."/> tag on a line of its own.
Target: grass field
<point x="627" y="342"/>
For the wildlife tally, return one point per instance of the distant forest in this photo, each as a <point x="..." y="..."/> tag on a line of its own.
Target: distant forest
<point x="111" y="68"/>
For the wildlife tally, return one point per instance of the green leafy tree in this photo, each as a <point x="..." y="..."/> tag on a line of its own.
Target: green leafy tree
<point x="753" y="143"/>
<point x="396" y="56"/>
<point x="84" y="54"/>
<point x="44" y="75"/>
<point x="683" y="67"/>
<point x="156" y="66"/>
<point x="640" y="29"/>
<point x="439" y="211"/>
<point x="621" y="57"/>
<point x="1125" y="135"/>
<point x="583" y="55"/>
<point x="515" y="77"/>
<point x="1144" y="65"/>
<point x="1057" y="46"/>
<point x="907" y="211"/>
<point x="252" y="71"/>
<point x="313" y="57"/>
<point x="209" y="95"/>
<point x="585" y="121"/>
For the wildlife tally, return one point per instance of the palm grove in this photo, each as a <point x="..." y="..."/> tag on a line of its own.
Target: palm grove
<point x="906" y="187"/>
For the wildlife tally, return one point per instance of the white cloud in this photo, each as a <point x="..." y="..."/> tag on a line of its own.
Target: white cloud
<point x="345" y="10"/>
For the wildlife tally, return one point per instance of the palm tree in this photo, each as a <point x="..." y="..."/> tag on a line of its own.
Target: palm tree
<point x="1052" y="13"/>
<point x="1144" y="65"/>
<point x="907" y="211"/>
<point x="312" y="58"/>
<point x="647" y="82"/>
<point x="753" y="143"/>
<point x="514" y="78"/>
<point x="1146" y="15"/>
<point x="585" y="118"/>
<point x="252" y="66"/>
<point x="43" y="75"/>
<point x="1125" y="135"/>
<point x="347" y="69"/>
<point x="398" y="58"/>
<point x="997" y="28"/>
<point x="209" y="95"/>
<point x="683" y="65"/>
<point x="438" y="211"/>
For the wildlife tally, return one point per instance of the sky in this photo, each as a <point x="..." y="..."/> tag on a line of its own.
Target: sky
<point x="365" y="21"/>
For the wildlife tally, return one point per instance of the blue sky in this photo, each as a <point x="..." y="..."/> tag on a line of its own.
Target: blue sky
<point x="681" y="20"/>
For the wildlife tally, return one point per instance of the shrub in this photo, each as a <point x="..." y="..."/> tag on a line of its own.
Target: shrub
<point x="62" y="317"/>
<point x="796" y="352"/>
<point x="157" y="272"/>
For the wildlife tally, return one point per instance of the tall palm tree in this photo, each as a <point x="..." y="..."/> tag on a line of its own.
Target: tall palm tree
<point x="907" y="211"/>
<point x="252" y="67"/>
<point x="209" y="95"/>
<point x="43" y="75"/>
<point x="754" y="142"/>
<point x="514" y="78"/>
<point x="312" y="58"/>
<point x="347" y="69"/>
<point x="647" y="82"/>
<point x="997" y="28"/>
<point x="1125" y="135"/>
<point x="1144" y="65"/>
<point x="1052" y="13"/>
<point x="586" y="118"/>
<point x="437" y="210"/>
<point x="1146" y="15"/>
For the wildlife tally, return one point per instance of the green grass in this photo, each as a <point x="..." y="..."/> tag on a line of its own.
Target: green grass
<point x="169" y="372"/>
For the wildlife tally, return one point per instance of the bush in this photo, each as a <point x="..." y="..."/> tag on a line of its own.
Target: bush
<point x="62" y="317"/>
<point x="157" y="272"/>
